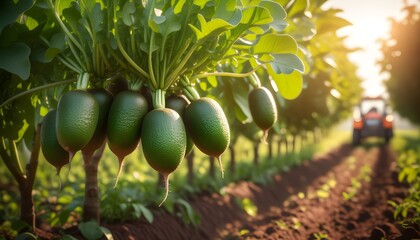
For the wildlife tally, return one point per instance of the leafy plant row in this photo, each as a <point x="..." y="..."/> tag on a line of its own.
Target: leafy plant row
<point x="408" y="162"/>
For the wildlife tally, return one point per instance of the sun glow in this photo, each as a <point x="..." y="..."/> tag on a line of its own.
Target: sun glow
<point x="370" y="23"/>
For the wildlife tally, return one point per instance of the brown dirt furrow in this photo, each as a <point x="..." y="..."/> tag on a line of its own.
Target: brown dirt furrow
<point x="366" y="215"/>
<point x="221" y="217"/>
<point x="305" y="203"/>
<point x="312" y="211"/>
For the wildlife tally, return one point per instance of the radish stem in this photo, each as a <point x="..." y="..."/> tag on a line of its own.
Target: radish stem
<point x="120" y="164"/>
<point x="166" y="180"/>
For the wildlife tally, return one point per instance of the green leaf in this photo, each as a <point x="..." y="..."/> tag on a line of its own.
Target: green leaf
<point x="254" y="16"/>
<point x="67" y="237"/>
<point x="392" y="203"/>
<point x="212" y="81"/>
<point x="58" y="41"/>
<point x="26" y="236"/>
<point x="275" y="44"/>
<point x="10" y="10"/>
<point x="90" y="230"/>
<point x="107" y="233"/>
<point x="242" y="111"/>
<point x="287" y="63"/>
<point x="146" y="213"/>
<point x="137" y="210"/>
<point x="128" y="9"/>
<point x="97" y="17"/>
<point x="249" y="207"/>
<point x="404" y="212"/>
<point x="305" y="56"/>
<point x="57" y="45"/>
<point x="178" y="6"/>
<point x="15" y="59"/>
<point x="213" y="27"/>
<point x="200" y="3"/>
<point x="302" y="28"/>
<point x="166" y="24"/>
<point x="64" y="4"/>
<point x="63" y="216"/>
<point x="31" y="23"/>
<point x="278" y="14"/>
<point x="402" y="175"/>
<point x="203" y="86"/>
<point x="330" y="24"/>
<point x="299" y="6"/>
<point x="72" y="15"/>
<point x="289" y="85"/>
<point x="191" y="214"/>
<point x="228" y="11"/>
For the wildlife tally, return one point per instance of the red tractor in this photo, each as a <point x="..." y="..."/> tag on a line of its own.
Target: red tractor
<point x="372" y="118"/>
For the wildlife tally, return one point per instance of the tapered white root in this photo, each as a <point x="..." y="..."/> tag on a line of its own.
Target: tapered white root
<point x="222" y="171"/>
<point x="71" y="155"/>
<point x="59" y="178"/>
<point x="120" y="164"/>
<point x="264" y="137"/>
<point x="166" y="180"/>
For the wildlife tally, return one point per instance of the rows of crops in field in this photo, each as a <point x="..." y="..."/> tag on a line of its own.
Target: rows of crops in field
<point x="116" y="110"/>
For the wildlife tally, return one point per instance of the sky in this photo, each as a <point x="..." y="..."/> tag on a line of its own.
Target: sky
<point x="370" y="22"/>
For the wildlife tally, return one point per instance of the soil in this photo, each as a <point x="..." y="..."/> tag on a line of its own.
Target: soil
<point x="341" y="195"/>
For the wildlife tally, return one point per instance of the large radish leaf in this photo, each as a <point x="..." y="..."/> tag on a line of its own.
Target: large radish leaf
<point x="289" y="85"/>
<point x="15" y="59"/>
<point x="10" y="10"/>
<point x="287" y="63"/>
<point x="273" y="43"/>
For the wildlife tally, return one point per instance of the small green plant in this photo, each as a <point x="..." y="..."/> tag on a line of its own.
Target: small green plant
<point x="408" y="211"/>
<point x="324" y="190"/>
<point x="320" y="236"/>
<point x="92" y="231"/>
<point x="243" y="232"/>
<point x="7" y="231"/>
<point x="187" y="213"/>
<point x="124" y="204"/>
<point x="281" y="224"/>
<point x="247" y="205"/>
<point x="296" y="224"/>
<point x="356" y="183"/>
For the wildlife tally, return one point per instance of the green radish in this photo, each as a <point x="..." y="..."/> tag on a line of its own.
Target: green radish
<point x="179" y="103"/>
<point x="104" y="99"/>
<point x="77" y="117"/>
<point x="263" y="109"/>
<point x="208" y="127"/>
<point x="124" y="124"/>
<point x="164" y="141"/>
<point x="51" y="148"/>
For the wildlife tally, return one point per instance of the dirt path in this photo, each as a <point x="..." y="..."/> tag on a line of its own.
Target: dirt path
<point x="350" y="202"/>
<point x="342" y="195"/>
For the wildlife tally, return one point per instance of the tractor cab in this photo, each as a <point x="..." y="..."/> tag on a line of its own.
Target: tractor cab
<point x="372" y="118"/>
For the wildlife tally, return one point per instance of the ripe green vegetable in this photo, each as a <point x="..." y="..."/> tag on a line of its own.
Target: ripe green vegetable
<point x="208" y="127"/>
<point x="124" y="124"/>
<point x="164" y="141"/>
<point x="179" y="103"/>
<point x="77" y="116"/>
<point x="104" y="99"/>
<point x="51" y="148"/>
<point x="263" y="108"/>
